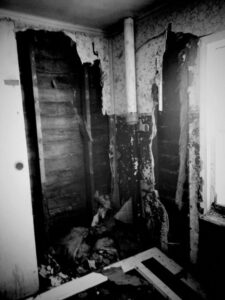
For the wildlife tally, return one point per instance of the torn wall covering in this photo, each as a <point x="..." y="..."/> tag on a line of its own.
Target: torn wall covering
<point x="198" y="18"/>
<point x="90" y="47"/>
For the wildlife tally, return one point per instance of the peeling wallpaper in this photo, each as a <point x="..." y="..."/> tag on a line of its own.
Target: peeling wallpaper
<point x="90" y="47"/>
<point x="148" y="71"/>
<point x="199" y="18"/>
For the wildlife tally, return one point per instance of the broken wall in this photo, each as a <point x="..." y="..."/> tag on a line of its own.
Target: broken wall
<point x="20" y="277"/>
<point x="198" y="18"/>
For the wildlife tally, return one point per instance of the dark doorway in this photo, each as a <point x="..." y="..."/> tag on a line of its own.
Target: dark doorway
<point x="55" y="109"/>
<point x="172" y="140"/>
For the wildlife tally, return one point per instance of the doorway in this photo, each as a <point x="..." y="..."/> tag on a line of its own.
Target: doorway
<point x="55" y="85"/>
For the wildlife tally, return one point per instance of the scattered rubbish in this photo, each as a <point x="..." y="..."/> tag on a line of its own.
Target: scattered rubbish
<point x="83" y="250"/>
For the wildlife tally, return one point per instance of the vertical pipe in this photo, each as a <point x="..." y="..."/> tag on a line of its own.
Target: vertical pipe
<point x="130" y="71"/>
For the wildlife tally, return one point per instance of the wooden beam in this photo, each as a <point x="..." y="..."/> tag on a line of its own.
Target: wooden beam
<point x="73" y="287"/>
<point x="132" y="263"/>
<point x="89" y="156"/>
<point x="156" y="282"/>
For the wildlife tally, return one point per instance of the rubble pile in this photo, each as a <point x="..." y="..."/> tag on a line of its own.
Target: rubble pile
<point x="84" y="250"/>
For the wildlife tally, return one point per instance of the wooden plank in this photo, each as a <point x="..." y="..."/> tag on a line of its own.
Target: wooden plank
<point x="61" y="163"/>
<point x="155" y="253"/>
<point x="89" y="159"/>
<point x="73" y="287"/>
<point x="55" y="81"/>
<point x="54" y="109"/>
<point x="39" y="133"/>
<point x="66" y="176"/>
<point x="194" y="285"/>
<point x="53" y="65"/>
<point x="128" y="264"/>
<point x="67" y="202"/>
<point x="48" y="95"/>
<point x="173" y="267"/>
<point x="60" y="123"/>
<point x="65" y="188"/>
<point x="48" y="52"/>
<point x="156" y="282"/>
<point x="60" y="135"/>
<point x="168" y="263"/>
<point x="63" y="148"/>
<point x="55" y="187"/>
<point x="67" y="212"/>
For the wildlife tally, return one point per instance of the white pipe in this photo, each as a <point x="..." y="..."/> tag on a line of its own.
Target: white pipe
<point x="130" y="71"/>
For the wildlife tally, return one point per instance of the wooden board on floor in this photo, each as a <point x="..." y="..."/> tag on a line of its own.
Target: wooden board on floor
<point x="132" y="263"/>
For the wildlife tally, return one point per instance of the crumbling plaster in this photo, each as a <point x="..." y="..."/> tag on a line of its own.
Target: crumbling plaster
<point x="199" y="18"/>
<point x="90" y="47"/>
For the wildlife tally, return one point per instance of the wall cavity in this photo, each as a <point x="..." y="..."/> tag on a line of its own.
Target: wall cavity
<point x="90" y="47"/>
<point x="198" y="18"/>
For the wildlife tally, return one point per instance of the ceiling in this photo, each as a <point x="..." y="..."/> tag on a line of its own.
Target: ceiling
<point x="93" y="13"/>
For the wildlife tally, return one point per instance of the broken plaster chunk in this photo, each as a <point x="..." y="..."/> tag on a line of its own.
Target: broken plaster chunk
<point x="55" y="281"/>
<point x="91" y="264"/>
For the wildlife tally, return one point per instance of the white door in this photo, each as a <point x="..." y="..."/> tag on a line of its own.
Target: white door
<point x="18" y="264"/>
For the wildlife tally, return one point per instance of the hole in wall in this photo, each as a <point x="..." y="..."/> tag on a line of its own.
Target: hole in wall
<point x="58" y="134"/>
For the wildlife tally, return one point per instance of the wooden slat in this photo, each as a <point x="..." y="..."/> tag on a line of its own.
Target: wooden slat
<point x="66" y="176"/>
<point x="168" y="263"/>
<point x="60" y="123"/>
<point x="60" y="135"/>
<point x="89" y="142"/>
<point x="67" y="202"/>
<point x="55" y="109"/>
<point x="61" y="163"/>
<point x="55" y="81"/>
<point x="73" y="287"/>
<point x="52" y="65"/>
<point x="156" y="282"/>
<point x="128" y="264"/>
<point x="48" y="95"/>
<point x="63" y="148"/>
<point x="194" y="285"/>
<point x="63" y="189"/>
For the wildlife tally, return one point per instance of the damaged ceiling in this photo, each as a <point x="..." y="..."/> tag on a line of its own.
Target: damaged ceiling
<point x="94" y="13"/>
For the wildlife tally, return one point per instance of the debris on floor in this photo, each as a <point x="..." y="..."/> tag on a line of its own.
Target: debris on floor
<point x="147" y="275"/>
<point x="84" y="250"/>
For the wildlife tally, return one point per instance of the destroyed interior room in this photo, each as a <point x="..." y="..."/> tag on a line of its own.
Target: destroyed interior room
<point x="112" y="149"/>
